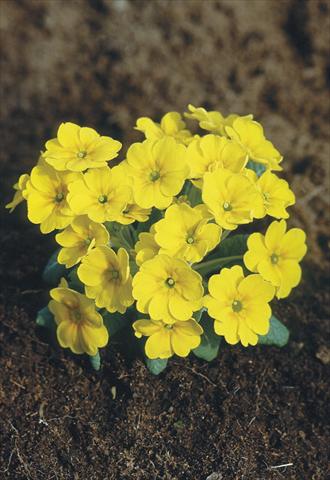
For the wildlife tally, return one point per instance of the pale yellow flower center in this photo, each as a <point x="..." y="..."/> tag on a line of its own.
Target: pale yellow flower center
<point x="59" y="197"/>
<point x="81" y="154"/>
<point x="190" y="240"/>
<point x="88" y="241"/>
<point x="170" y="282"/>
<point x="236" y="306"/>
<point x="154" y="176"/>
<point x="103" y="199"/>
<point x="227" y="207"/>
<point x="168" y="327"/>
<point x="274" y="258"/>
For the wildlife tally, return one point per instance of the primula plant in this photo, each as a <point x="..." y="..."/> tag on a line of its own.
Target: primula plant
<point x="149" y="248"/>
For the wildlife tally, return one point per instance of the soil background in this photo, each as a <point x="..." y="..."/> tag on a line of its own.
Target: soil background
<point x="104" y="63"/>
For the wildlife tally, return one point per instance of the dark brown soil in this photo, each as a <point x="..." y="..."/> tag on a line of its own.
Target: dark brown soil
<point x="104" y="63"/>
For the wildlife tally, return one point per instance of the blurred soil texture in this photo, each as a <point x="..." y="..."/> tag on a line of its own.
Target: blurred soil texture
<point x="104" y="63"/>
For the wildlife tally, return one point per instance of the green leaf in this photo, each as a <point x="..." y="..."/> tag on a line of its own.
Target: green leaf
<point x="45" y="319"/>
<point x="74" y="281"/>
<point x="95" y="361"/>
<point x="259" y="168"/>
<point x="53" y="271"/>
<point x="145" y="226"/>
<point x="156" y="366"/>
<point x="198" y="315"/>
<point x="194" y="196"/>
<point x="209" y="346"/>
<point x="233" y="245"/>
<point x="278" y="334"/>
<point x="229" y="252"/>
<point x="115" y="321"/>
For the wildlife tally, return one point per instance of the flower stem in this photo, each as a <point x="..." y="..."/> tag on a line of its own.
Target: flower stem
<point x="209" y="266"/>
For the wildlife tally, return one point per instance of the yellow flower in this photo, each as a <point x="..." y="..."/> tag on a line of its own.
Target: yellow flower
<point x="171" y="125"/>
<point x="20" y="192"/>
<point x="276" y="194"/>
<point x="100" y="195"/>
<point x="276" y="256"/>
<point x="184" y="233"/>
<point x="131" y="212"/>
<point x="78" y="148"/>
<point x="232" y="198"/>
<point x="107" y="278"/>
<point x="158" y="171"/>
<point x="250" y="135"/>
<point x="166" y="340"/>
<point x="239" y="305"/>
<point x="79" y="326"/>
<point x="212" y="121"/>
<point x="78" y="239"/>
<point x="211" y="152"/>
<point x="146" y="247"/>
<point x="167" y="289"/>
<point x="47" y="192"/>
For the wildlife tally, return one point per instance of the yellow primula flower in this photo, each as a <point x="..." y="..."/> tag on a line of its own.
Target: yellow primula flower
<point x="20" y="192"/>
<point x="165" y="340"/>
<point x="78" y="148"/>
<point x="184" y="233"/>
<point x="131" y="212"/>
<point x="276" y="256"/>
<point x="211" y="152"/>
<point x="232" y="198"/>
<point x="239" y="305"/>
<point x="107" y="278"/>
<point x="79" y="326"/>
<point x="47" y="191"/>
<point x="158" y="171"/>
<point x="250" y="135"/>
<point x="167" y="289"/>
<point x="276" y="194"/>
<point x="212" y="121"/>
<point x="100" y="195"/>
<point x="78" y="239"/>
<point x="171" y="125"/>
<point x="146" y="247"/>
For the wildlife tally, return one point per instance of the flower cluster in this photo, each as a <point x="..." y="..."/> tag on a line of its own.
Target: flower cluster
<point x="153" y="238"/>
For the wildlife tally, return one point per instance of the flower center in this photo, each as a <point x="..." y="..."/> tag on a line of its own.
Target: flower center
<point x="76" y="315"/>
<point x="236" y="306"/>
<point x="103" y="199"/>
<point x="126" y="211"/>
<point x="170" y="282"/>
<point x="154" y="175"/>
<point x="274" y="258"/>
<point x="81" y="154"/>
<point x="227" y="207"/>
<point x="190" y="240"/>
<point x="113" y="274"/>
<point x="168" y="327"/>
<point x="88" y="241"/>
<point x="266" y="196"/>
<point x="59" y="197"/>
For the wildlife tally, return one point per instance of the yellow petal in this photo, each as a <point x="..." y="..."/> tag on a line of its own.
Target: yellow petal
<point x="159" y="345"/>
<point x="147" y="327"/>
<point x="274" y="235"/>
<point x="67" y="135"/>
